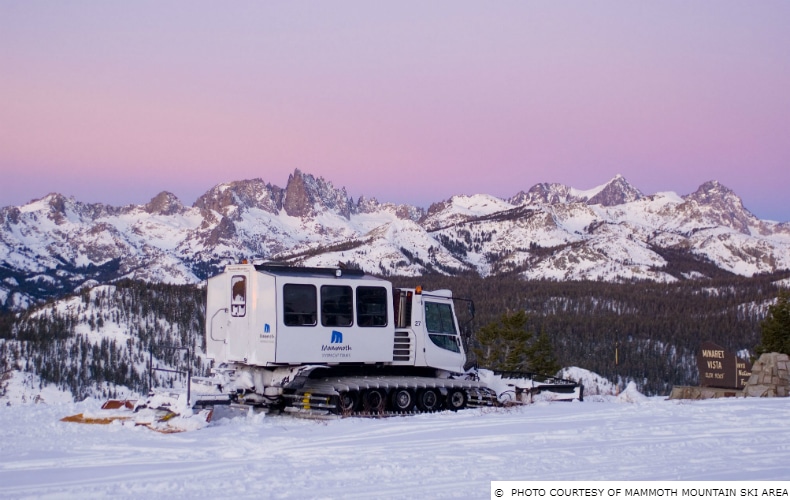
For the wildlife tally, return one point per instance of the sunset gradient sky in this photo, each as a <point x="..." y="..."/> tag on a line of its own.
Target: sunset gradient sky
<point x="408" y="102"/>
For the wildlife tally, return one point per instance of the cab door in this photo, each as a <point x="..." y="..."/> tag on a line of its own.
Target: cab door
<point x="240" y="313"/>
<point x="443" y="347"/>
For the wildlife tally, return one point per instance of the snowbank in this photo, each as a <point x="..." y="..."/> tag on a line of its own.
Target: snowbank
<point x="442" y="455"/>
<point x="21" y="388"/>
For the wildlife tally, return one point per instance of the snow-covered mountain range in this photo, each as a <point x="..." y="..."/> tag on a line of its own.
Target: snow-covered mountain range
<point x="57" y="244"/>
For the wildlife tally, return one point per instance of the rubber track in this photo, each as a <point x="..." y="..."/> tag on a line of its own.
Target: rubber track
<point x="316" y="399"/>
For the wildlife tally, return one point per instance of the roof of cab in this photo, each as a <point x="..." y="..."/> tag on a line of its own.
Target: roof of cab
<point x="317" y="272"/>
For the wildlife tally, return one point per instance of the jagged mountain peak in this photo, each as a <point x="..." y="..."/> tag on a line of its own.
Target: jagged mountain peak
<point x="461" y="208"/>
<point x="543" y="193"/>
<point x="720" y="205"/>
<point x="57" y="202"/>
<point x="302" y="196"/>
<point x="52" y="202"/>
<point x="719" y="197"/>
<point x="617" y="191"/>
<point x="54" y="206"/>
<point x="552" y="231"/>
<point x="304" y="193"/>
<point x="228" y="197"/>
<point x="366" y="205"/>
<point x="165" y="203"/>
<point x="711" y="192"/>
<point x="61" y="208"/>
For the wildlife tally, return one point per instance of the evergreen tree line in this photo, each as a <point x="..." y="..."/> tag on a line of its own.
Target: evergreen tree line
<point x="508" y="345"/>
<point x="59" y="344"/>
<point x="657" y="327"/>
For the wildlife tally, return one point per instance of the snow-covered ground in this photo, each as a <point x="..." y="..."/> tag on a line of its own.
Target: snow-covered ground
<point x="441" y="455"/>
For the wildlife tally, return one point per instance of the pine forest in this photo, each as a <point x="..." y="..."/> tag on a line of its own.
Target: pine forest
<point x="99" y="341"/>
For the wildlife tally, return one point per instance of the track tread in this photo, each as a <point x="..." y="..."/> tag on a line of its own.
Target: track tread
<point x="316" y="399"/>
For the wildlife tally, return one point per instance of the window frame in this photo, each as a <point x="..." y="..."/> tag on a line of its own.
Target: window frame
<point x="303" y="313"/>
<point x="442" y="318"/>
<point x="238" y="309"/>
<point x="334" y="315"/>
<point x="363" y="306"/>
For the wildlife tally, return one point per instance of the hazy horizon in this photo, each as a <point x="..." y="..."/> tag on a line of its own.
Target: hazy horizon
<point x="408" y="103"/>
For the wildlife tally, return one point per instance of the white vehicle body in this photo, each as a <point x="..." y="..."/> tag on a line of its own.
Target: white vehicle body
<point x="251" y="319"/>
<point x="323" y="342"/>
<point x="270" y="317"/>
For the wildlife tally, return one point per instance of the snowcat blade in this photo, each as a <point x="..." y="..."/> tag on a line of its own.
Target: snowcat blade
<point x="82" y="419"/>
<point x="170" y="423"/>
<point x="164" y="421"/>
<point x="123" y="411"/>
<point x="114" y="404"/>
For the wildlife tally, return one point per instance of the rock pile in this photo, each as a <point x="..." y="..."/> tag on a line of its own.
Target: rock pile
<point x="770" y="376"/>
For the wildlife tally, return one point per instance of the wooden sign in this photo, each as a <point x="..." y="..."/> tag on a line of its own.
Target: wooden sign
<point x="719" y="368"/>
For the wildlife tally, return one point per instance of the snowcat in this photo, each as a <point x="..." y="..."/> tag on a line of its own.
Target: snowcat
<point x="333" y="342"/>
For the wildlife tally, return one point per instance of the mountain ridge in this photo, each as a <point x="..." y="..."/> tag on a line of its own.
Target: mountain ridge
<point x="56" y="244"/>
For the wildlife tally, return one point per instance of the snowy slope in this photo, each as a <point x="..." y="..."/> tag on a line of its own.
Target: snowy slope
<point x="441" y="455"/>
<point x="612" y="232"/>
<point x="97" y="343"/>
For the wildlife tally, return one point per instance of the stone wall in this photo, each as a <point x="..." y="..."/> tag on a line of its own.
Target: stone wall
<point x="690" y="392"/>
<point x="770" y="376"/>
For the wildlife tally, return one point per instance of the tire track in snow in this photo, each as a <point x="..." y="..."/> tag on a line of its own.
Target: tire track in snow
<point x="441" y="455"/>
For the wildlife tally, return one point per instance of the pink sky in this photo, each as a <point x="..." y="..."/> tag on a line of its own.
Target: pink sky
<point x="406" y="102"/>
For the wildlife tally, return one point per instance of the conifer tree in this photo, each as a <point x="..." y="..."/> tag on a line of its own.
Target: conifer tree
<point x="503" y="344"/>
<point x="775" y="328"/>
<point x="541" y="356"/>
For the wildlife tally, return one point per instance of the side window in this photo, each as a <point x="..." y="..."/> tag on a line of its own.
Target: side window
<point x="439" y="318"/>
<point x="337" y="308"/>
<point x="238" y="296"/>
<point x="299" y="305"/>
<point x="447" y="342"/>
<point x="371" y="306"/>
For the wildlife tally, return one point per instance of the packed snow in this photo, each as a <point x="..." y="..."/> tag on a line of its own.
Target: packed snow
<point x="442" y="455"/>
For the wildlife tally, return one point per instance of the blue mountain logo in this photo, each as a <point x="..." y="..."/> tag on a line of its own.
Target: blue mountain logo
<point x="337" y="337"/>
